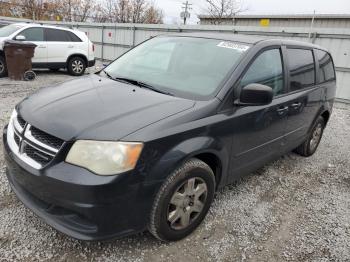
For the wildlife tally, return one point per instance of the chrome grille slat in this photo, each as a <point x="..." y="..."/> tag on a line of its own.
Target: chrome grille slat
<point x="37" y="150"/>
<point x="37" y="155"/>
<point x="49" y="140"/>
<point x="29" y="143"/>
<point x="30" y="137"/>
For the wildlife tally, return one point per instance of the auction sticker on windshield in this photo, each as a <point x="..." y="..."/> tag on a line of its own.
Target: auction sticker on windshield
<point x="238" y="47"/>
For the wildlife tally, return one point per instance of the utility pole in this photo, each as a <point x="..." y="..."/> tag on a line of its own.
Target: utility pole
<point x="186" y="14"/>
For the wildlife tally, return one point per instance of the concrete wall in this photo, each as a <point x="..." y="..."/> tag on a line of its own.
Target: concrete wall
<point x="112" y="40"/>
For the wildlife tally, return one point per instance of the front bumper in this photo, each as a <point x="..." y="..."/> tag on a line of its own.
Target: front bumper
<point x="79" y="203"/>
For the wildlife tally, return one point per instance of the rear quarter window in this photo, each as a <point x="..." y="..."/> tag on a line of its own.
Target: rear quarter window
<point x="326" y="67"/>
<point x="73" y="37"/>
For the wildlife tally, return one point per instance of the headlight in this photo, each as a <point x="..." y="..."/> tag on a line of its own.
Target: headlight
<point x="105" y="158"/>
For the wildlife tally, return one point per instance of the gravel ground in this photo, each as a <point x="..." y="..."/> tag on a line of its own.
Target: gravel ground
<point x="295" y="209"/>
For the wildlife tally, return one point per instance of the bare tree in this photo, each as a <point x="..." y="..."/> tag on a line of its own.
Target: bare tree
<point x="219" y="9"/>
<point x="112" y="11"/>
<point x="106" y="12"/>
<point x="75" y="10"/>
<point x="32" y="9"/>
<point x="128" y="11"/>
<point x="153" y="15"/>
<point x="138" y="8"/>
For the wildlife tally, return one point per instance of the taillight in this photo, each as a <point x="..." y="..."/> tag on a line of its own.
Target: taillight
<point x="93" y="48"/>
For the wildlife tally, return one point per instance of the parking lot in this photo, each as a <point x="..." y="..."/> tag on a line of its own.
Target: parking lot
<point x="292" y="209"/>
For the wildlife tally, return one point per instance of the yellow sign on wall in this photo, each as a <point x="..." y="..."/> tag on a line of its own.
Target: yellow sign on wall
<point x="264" y="22"/>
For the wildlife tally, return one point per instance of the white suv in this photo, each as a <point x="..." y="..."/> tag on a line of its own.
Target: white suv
<point x="56" y="47"/>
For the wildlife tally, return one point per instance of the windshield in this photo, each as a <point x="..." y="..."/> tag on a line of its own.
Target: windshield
<point x="186" y="67"/>
<point x="9" y="29"/>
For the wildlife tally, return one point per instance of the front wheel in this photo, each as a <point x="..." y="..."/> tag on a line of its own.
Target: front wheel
<point x="182" y="201"/>
<point x="76" y="66"/>
<point x="3" y="67"/>
<point x="308" y="148"/>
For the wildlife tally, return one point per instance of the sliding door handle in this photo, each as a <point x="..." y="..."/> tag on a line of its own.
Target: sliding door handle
<point x="296" y="105"/>
<point x="282" y="110"/>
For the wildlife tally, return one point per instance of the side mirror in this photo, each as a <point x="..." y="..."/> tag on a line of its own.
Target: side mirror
<point x="256" y="95"/>
<point x="20" y="38"/>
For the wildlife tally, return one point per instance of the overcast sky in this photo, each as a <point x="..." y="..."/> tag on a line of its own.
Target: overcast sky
<point x="172" y="8"/>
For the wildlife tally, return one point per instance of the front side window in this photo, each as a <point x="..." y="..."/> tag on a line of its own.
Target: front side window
<point x="326" y="67"/>
<point x="33" y="34"/>
<point x="187" y="67"/>
<point x="301" y="68"/>
<point x="267" y="70"/>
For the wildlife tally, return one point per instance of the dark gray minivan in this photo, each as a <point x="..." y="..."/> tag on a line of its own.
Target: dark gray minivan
<point x="146" y="142"/>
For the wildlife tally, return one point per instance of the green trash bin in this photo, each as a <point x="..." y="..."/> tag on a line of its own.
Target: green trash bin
<point x="18" y="58"/>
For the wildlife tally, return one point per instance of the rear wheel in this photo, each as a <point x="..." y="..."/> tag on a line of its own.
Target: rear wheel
<point x="310" y="145"/>
<point x="76" y="66"/>
<point x="3" y="67"/>
<point x="183" y="201"/>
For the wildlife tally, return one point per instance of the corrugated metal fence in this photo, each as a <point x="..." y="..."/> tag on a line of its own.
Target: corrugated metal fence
<point x="112" y="40"/>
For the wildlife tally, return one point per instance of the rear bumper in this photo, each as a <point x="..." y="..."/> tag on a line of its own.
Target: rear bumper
<point x="80" y="204"/>
<point x="91" y="63"/>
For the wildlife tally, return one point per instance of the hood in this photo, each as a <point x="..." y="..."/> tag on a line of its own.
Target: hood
<point x="98" y="108"/>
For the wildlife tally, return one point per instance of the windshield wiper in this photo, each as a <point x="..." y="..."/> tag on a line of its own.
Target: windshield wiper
<point x="141" y="84"/>
<point x="109" y="76"/>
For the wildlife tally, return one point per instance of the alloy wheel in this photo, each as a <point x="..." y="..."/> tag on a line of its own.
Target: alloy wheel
<point x="77" y="66"/>
<point x="316" y="136"/>
<point x="187" y="203"/>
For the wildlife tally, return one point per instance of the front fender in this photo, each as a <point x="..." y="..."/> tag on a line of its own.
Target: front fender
<point x="185" y="150"/>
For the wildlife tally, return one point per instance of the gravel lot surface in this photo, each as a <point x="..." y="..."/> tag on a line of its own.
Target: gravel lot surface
<point x="294" y="209"/>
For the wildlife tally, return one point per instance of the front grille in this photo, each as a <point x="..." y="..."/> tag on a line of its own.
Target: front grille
<point x="32" y="145"/>
<point x="39" y="156"/>
<point x="21" y="121"/>
<point x="46" y="138"/>
<point x="17" y="139"/>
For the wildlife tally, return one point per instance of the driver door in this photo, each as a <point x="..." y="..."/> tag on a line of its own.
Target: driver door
<point x="36" y="35"/>
<point x="259" y="131"/>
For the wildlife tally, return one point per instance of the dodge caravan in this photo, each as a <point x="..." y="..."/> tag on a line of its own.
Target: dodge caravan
<point x="145" y="143"/>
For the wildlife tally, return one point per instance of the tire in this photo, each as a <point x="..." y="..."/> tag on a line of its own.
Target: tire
<point x="187" y="204"/>
<point x="310" y="145"/>
<point x="76" y="66"/>
<point x="3" y="67"/>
